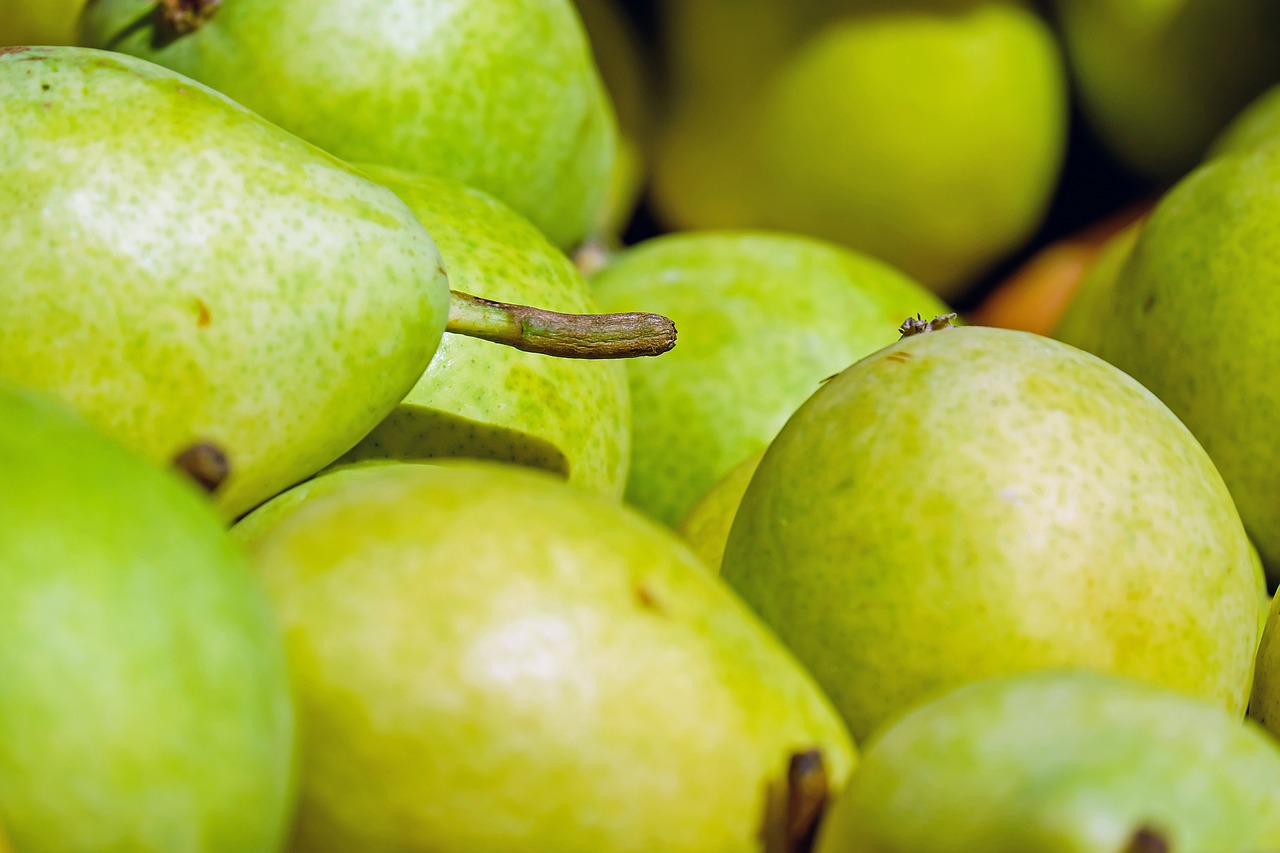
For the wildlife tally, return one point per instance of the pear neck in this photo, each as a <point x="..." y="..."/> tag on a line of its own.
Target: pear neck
<point x="184" y="16"/>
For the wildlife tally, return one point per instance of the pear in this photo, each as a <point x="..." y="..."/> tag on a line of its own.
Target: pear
<point x="706" y="526"/>
<point x="25" y="22"/>
<point x="976" y="501"/>
<point x="742" y="368"/>
<point x="1257" y="125"/>
<point x="183" y="271"/>
<point x="572" y="417"/>
<point x="927" y="134"/>
<point x="1062" y="762"/>
<point x="578" y="682"/>
<point x="1188" y="319"/>
<point x="144" y="700"/>
<point x="1087" y="310"/>
<point x="1264" y="702"/>
<point x="504" y="97"/>
<point x="1159" y="79"/>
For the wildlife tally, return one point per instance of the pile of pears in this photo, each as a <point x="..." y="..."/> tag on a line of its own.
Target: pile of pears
<point x="581" y="426"/>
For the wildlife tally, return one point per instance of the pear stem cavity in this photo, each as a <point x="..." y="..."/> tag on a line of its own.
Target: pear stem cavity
<point x="628" y="335"/>
<point x="184" y="16"/>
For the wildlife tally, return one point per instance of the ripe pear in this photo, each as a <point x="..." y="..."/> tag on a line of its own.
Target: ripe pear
<point x="763" y="319"/>
<point x="504" y="97"/>
<point x="572" y="417"/>
<point x="1062" y="762"/>
<point x="927" y="134"/>
<point x="706" y="526"/>
<point x="181" y="270"/>
<point x="1159" y="79"/>
<point x="978" y="501"/>
<point x="144" y="703"/>
<point x="577" y="682"/>
<point x="1086" y="312"/>
<point x="38" y="21"/>
<point x="1187" y="318"/>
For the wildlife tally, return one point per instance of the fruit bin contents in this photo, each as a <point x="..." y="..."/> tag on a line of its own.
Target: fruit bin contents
<point x="776" y="426"/>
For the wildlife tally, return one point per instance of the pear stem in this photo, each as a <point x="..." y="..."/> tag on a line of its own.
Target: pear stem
<point x="628" y="335"/>
<point x="184" y="16"/>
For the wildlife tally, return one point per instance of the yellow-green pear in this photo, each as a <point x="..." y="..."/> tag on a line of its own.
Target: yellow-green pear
<point x="1082" y="320"/>
<point x="1159" y="79"/>
<point x="44" y="22"/>
<point x="486" y="658"/>
<point x="1264" y="703"/>
<point x="1256" y="125"/>
<point x="1062" y="762"/>
<point x="975" y="501"/>
<point x="706" y="526"/>
<point x="569" y="416"/>
<point x="144" y="700"/>
<point x="502" y="96"/>
<point x="763" y="319"/>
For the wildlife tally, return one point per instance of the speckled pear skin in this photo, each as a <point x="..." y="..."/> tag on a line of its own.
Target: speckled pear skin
<point x="144" y="699"/>
<point x="763" y="319"/>
<point x="978" y="501"/>
<point x="502" y="96"/>
<point x="706" y="526"/>
<point x="482" y="400"/>
<point x="180" y="270"/>
<point x="1188" y="319"/>
<point x="463" y="634"/>
<point x="38" y="21"/>
<point x="1061" y="762"/>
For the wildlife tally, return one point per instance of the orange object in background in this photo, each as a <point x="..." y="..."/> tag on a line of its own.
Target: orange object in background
<point x="1034" y="297"/>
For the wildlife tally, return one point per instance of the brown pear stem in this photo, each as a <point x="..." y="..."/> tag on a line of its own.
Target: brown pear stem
<point x="205" y="463"/>
<point x="629" y="335"/>
<point x="184" y="16"/>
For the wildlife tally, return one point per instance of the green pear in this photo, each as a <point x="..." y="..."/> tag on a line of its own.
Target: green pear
<point x="1086" y="312"/>
<point x="1159" y="79"/>
<point x="572" y="417"/>
<point x="1188" y="319"/>
<point x="576" y="682"/>
<point x="706" y="526"/>
<point x="183" y="271"/>
<point x="1264" y="703"/>
<point x="38" y="21"/>
<point x="928" y="134"/>
<point x="742" y="367"/>
<point x="1062" y="762"/>
<point x="1257" y="125"/>
<point x="144" y="700"/>
<point x="504" y="97"/>
<point x="978" y="501"/>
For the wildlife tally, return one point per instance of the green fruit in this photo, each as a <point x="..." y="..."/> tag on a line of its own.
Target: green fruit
<point x="742" y="368"/>
<point x="487" y="659"/>
<point x="929" y="135"/>
<point x="504" y="97"/>
<point x="1189" y="316"/>
<point x="706" y="526"/>
<point x="1160" y="78"/>
<point x="1257" y="125"/>
<point x="572" y="417"/>
<point x="1085" y="314"/>
<point x="1264" y="703"/>
<point x="38" y="21"/>
<point x="180" y="270"/>
<point x="1062" y="762"/>
<point x="144" y="702"/>
<point x="978" y="501"/>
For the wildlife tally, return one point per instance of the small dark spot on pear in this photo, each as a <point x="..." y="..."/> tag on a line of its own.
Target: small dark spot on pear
<point x="900" y="356"/>
<point x="17" y="48"/>
<point x="1149" y="304"/>
<point x="205" y="463"/>
<point x="44" y="86"/>
<point x="1147" y="840"/>
<point x="203" y="315"/>
<point x="645" y="596"/>
<point x="440" y="270"/>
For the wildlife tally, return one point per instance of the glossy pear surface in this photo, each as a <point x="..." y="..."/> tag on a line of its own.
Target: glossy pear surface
<point x="502" y="96"/>
<point x="144" y="703"/>
<point x="1189" y="319"/>
<point x="975" y="501"/>
<point x="180" y="270"/>
<point x="1062" y="762"/>
<point x="568" y="416"/>
<point x="489" y="659"/>
<point x="763" y="319"/>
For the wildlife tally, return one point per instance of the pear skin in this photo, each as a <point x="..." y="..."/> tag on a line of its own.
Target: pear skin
<point x="182" y="271"/>
<point x="706" y="526"/>
<point x="489" y="659"/>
